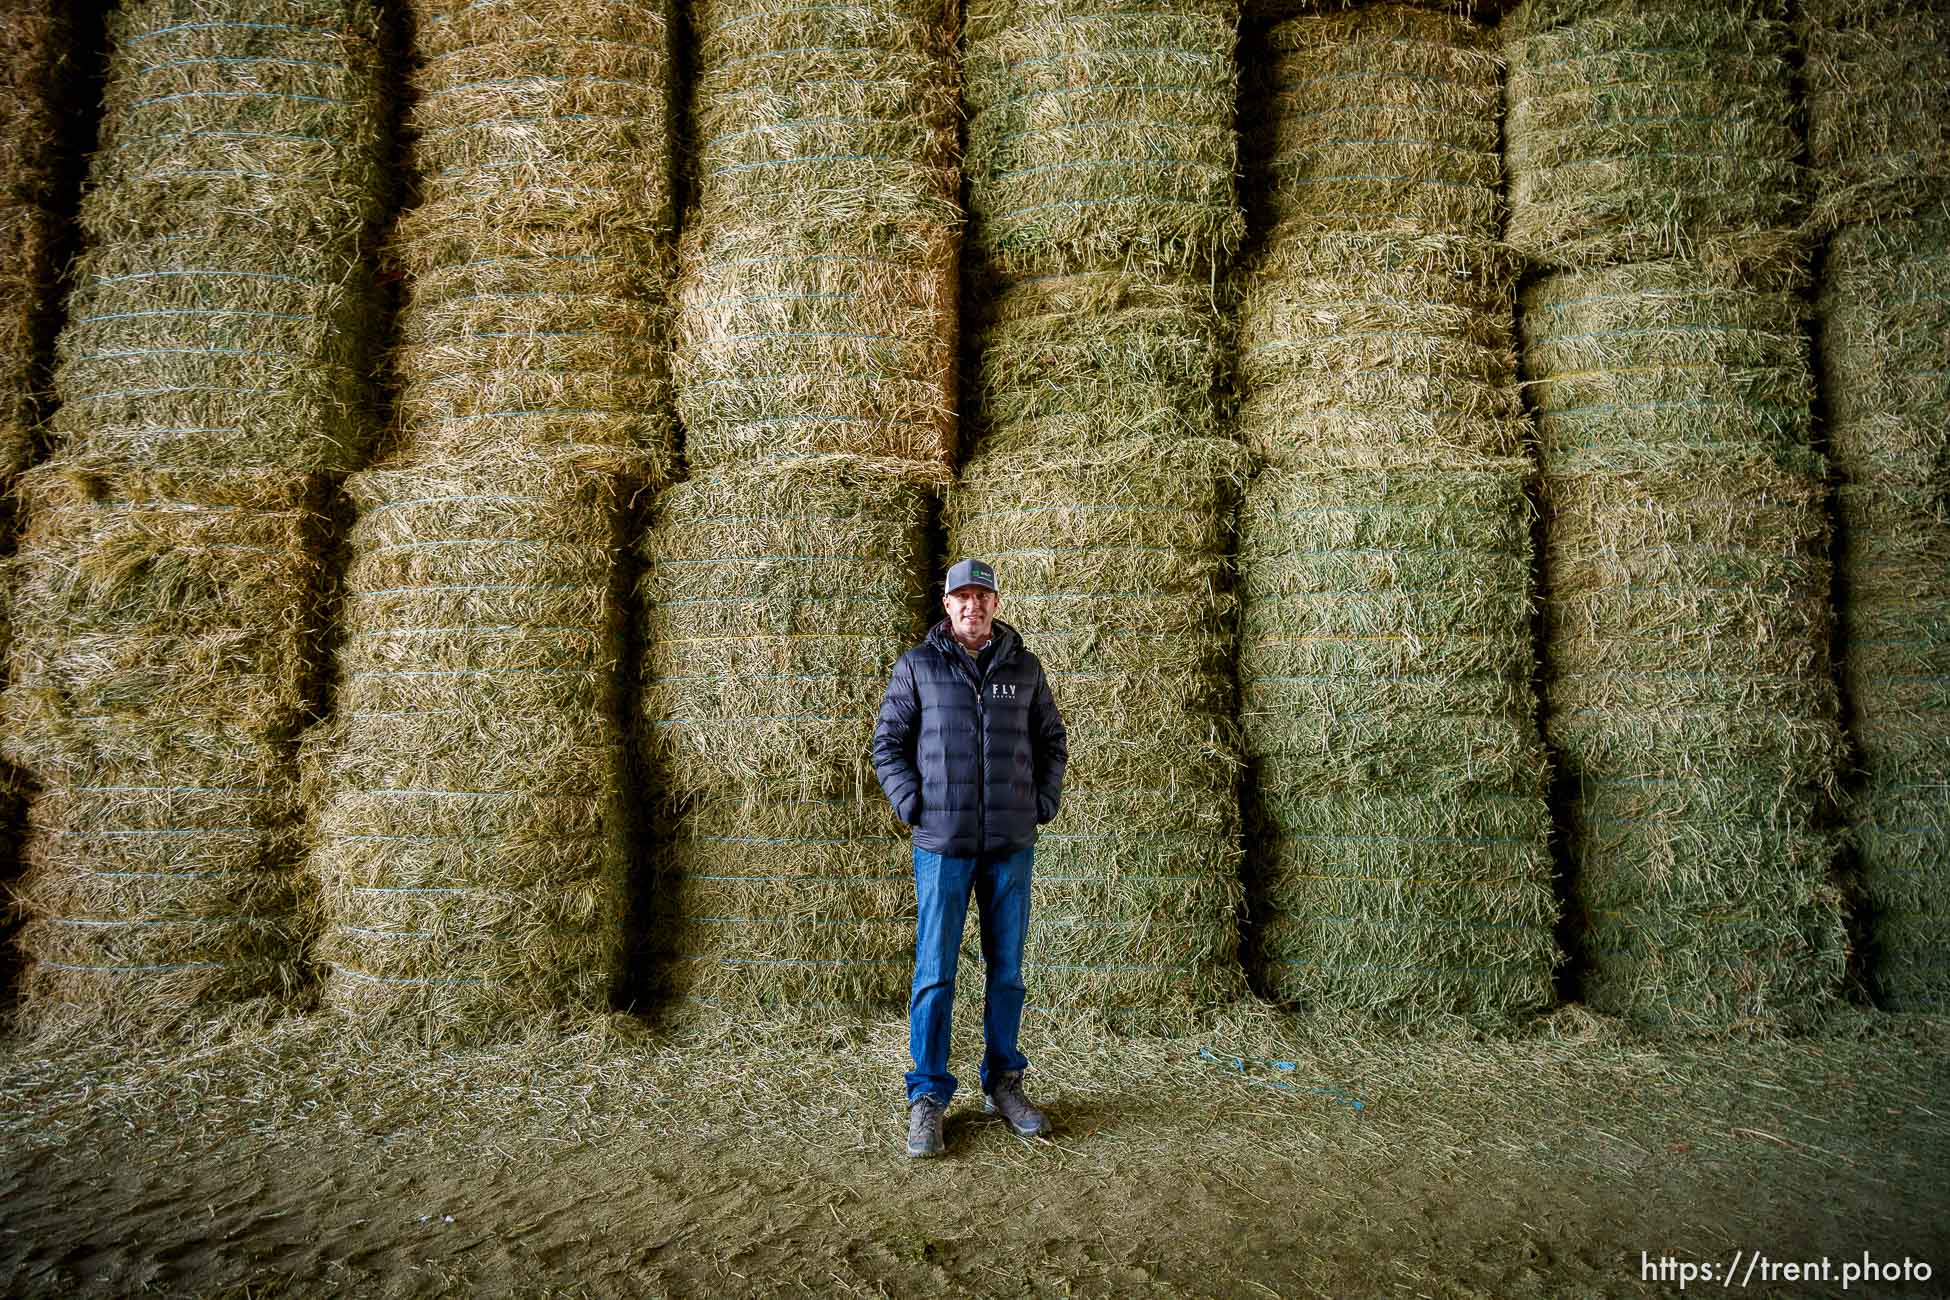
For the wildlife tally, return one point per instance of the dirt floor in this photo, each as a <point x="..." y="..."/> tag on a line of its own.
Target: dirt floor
<point x="1259" y="1158"/>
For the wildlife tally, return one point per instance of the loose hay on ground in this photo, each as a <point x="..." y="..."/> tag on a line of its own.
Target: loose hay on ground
<point x="1397" y="787"/>
<point x="1381" y="119"/>
<point x="1878" y="105"/>
<point x="466" y="794"/>
<point x="1641" y="130"/>
<point x="1101" y="137"/>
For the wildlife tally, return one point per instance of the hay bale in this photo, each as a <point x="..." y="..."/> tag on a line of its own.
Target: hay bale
<point x="466" y="794"/>
<point x="1639" y="130"/>
<point x="1078" y="361"/>
<point x="825" y="115"/>
<point x="538" y="260"/>
<point x="805" y="342"/>
<point x="1378" y="351"/>
<point x="1381" y="119"/>
<point x="221" y="318"/>
<point x="1397" y="784"/>
<point x="1649" y="364"/>
<point x="1101" y="137"/>
<point x="776" y="600"/>
<point x="1687" y="689"/>
<point x="160" y="669"/>
<point x="1878" y="104"/>
<point x="1113" y="567"/>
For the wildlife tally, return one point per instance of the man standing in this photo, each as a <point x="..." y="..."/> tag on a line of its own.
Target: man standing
<point x="970" y="749"/>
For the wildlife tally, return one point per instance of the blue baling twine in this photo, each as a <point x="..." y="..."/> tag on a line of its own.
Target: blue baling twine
<point x="1239" y="1063"/>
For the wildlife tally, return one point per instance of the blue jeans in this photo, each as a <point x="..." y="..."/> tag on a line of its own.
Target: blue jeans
<point x="1000" y="884"/>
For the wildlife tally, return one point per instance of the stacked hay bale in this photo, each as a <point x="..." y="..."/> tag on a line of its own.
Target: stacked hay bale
<point x="1101" y="151"/>
<point x="1397" y="784"/>
<point x="1878" y="87"/>
<point x="467" y="798"/>
<point x="814" y="378"/>
<point x="1885" y="309"/>
<point x="1686" y="583"/>
<point x="211" y="374"/>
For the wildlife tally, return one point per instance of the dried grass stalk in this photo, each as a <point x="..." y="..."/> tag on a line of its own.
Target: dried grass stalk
<point x="1687" y="689"/>
<point x="827" y="115"/>
<point x="1378" y="351"/>
<point x="1878" y="91"/>
<point x="1398" y="779"/>
<point x="466" y="794"/>
<point x="539" y="258"/>
<point x="1112" y="565"/>
<point x="1101" y="137"/>
<point x="797" y="342"/>
<point x="1639" y="130"/>
<point x="1656" y="364"/>
<point x="1077" y="361"/>
<point x="1382" y="119"/>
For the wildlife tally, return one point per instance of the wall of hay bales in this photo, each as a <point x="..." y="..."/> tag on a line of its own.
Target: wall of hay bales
<point x="1476" y="481"/>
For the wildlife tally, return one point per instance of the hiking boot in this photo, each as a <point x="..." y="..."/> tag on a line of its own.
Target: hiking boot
<point x="924" y="1127"/>
<point x="1006" y="1100"/>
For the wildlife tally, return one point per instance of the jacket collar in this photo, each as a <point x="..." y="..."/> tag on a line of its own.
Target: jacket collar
<point x="1006" y="639"/>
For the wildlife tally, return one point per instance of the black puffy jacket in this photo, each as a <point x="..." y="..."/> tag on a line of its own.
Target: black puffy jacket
<point x="974" y="765"/>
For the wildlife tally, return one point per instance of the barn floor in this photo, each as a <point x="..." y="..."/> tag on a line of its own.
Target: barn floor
<point x="711" y="1158"/>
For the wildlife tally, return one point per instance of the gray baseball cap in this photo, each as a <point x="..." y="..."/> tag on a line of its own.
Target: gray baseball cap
<point x="971" y="573"/>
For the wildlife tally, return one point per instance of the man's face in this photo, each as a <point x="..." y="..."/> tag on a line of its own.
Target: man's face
<point x="971" y="612"/>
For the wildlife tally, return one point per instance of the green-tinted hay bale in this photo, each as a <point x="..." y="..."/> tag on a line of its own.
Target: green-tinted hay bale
<point x="1688" y="691"/>
<point x="1378" y="351"/>
<point x="466" y="795"/>
<point x="160" y="667"/>
<point x="1901" y="819"/>
<point x="1101" y="137"/>
<point x="794" y="342"/>
<point x="1878" y="89"/>
<point x="1398" y="779"/>
<point x="825" y="115"/>
<point x="1077" y="361"/>
<point x="1382" y="119"/>
<point x="538" y="261"/>
<point x="1112" y="566"/>
<point x="1646" y="129"/>
<point x="222" y="316"/>
<point x="1885" y="355"/>
<point x="1653" y="364"/>
<point x="776" y="601"/>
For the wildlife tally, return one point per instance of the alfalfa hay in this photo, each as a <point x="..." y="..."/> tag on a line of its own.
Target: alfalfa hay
<point x="220" y="319"/>
<point x="161" y="666"/>
<point x="1687" y="690"/>
<point x="1381" y="119"/>
<point x="1397" y="778"/>
<point x="776" y="600"/>
<point x="1639" y="130"/>
<point x="1113" y="566"/>
<point x="1878" y="96"/>
<point x="466" y="793"/>
<point x="539" y="258"/>
<point x="1100" y="137"/>
<point x="1378" y="351"/>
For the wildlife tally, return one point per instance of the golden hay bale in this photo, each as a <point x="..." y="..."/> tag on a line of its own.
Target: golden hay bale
<point x="1378" y="351"/>
<point x="825" y="115"/>
<point x="222" y="318"/>
<point x="1112" y="562"/>
<point x="1380" y="119"/>
<point x="161" y="666"/>
<point x="1082" y="360"/>
<point x="1101" y="137"/>
<point x="796" y="342"/>
<point x="1687" y="689"/>
<point x="1878" y="104"/>
<point x="466" y="794"/>
<point x="1398" y="778"/>
<point x="1646" y="129"/>
<point x="1648" y="364"/>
